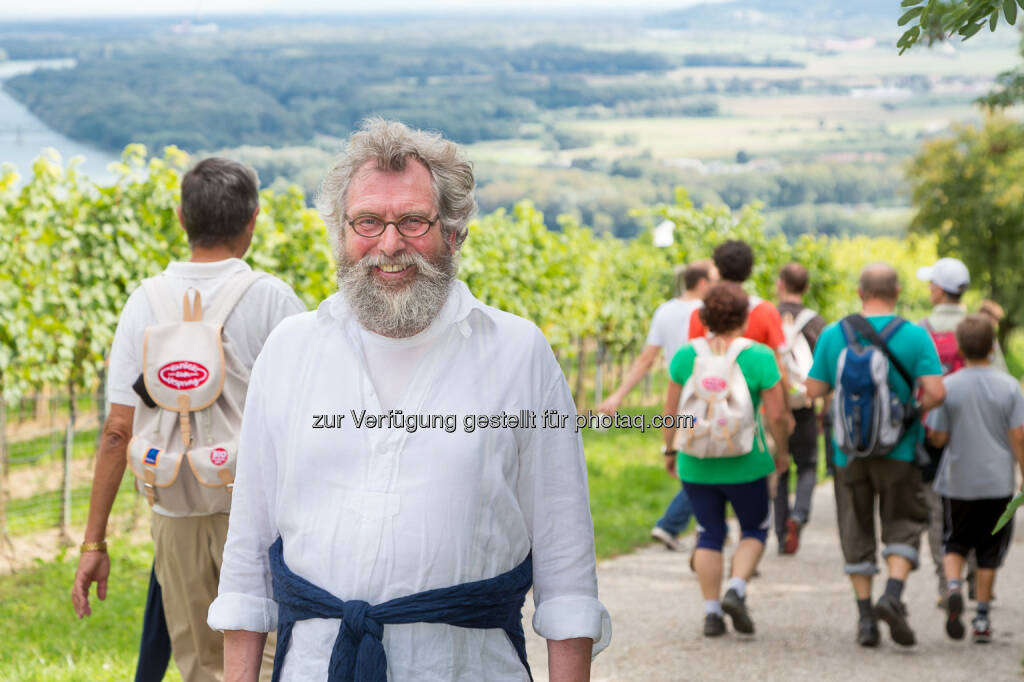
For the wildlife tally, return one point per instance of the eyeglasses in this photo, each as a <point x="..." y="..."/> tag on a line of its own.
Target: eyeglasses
<point x="411" y="225"/>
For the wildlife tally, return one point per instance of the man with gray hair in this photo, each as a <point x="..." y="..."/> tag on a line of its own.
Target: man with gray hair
<point x="875" y="361"/>
<point x="400" y="500"/>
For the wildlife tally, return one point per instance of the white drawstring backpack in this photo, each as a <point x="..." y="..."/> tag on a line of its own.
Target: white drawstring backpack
<point x="199" y="389"/>
<point x="717" y="397"/>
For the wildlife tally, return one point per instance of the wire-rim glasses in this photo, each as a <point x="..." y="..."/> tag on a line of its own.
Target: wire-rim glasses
<point x="410" y="225"/>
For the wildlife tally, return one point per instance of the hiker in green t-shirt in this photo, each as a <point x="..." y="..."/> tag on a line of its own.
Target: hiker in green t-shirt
<point x="722" y="457"/>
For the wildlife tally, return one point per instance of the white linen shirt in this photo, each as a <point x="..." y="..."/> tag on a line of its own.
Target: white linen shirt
<point x="379" y="513"/>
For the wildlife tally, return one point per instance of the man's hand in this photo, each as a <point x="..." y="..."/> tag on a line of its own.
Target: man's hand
<point x="111" y="460"/>
<point x="670" y="465"/>
<point x="609" y="405"/>
<point x="93" y="567"/>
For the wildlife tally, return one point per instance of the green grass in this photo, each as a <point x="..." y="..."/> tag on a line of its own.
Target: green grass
<point x="42" y="511"/>
<point x="629" y="488"/>
<point x="44" y="641"/>
<point x="51" y="447"/>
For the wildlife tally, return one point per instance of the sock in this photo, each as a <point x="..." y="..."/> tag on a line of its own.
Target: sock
<point x="739" y="585"/>
<point x="864" y="608"/>
<point x="894" y="588"/>
<point x="954" y="584"/>
<point x="983" y="609"/>
<point x="713" y="606"/>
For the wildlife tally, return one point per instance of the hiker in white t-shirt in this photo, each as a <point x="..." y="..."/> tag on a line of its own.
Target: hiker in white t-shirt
<point x="670" y="329"/>
<point x="219" y="204"/>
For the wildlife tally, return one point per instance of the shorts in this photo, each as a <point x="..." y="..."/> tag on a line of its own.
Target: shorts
<point x="902" y="510"/>
<point x="748" y="500"/>
<point x="969" y="525"/>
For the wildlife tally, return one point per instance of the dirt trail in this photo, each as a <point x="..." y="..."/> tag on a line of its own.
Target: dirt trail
<point x="805" y="616"/>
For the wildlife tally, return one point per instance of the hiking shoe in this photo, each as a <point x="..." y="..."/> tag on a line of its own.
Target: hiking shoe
<point x="714" y="625"/>
<point x="736" y="606"/>
<point x="954" y="608"/>
<point x="793" y="528"/>
<point x="867" y="632"/>
<point x="982" y="630"/>
<point x="894" y="614"/>
<point x="664" y="537"/>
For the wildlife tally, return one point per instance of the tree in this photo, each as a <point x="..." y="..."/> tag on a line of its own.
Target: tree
<point x="935" y="20"/>
<point x="967" y="190"/>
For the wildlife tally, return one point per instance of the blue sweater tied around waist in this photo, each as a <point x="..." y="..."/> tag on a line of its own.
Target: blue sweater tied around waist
<point x="358" y="654"/>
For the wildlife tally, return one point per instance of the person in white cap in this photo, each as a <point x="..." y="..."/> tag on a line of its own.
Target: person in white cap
<point x="948" y="280"/>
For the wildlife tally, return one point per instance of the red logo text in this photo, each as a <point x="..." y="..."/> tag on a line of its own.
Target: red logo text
<point x="183" y="375"/>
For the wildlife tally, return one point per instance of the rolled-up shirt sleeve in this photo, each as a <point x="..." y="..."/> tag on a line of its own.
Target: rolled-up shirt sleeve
<point x="553" y="497"/>
<point x="245" y="597"/>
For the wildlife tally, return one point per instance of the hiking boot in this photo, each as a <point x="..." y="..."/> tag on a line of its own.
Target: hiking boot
<point x="982" y="630"/>
<point x="867" y="632"/>
<point x="954" y="608"/>
<point x="793" y="528"/>
<point x="664" y="537"/>
<point x="894" y="614"/>
<point x="714" y="625"/>
<point x="736" y="606"/>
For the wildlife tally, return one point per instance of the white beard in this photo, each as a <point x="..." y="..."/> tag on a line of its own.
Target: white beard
<point x="400" y="310"/>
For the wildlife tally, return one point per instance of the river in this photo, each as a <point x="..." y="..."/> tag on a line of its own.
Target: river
<point x="23" y="137"/>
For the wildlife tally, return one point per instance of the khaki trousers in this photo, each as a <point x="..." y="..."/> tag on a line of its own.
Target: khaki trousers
<point x="188" y="553"/>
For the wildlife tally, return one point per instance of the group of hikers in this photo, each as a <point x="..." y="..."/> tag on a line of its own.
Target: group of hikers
<point x="922" y="419"/>
<point x="291" y="543"/>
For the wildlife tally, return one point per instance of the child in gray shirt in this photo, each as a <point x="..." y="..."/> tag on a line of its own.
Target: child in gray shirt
<point x="981" y="423"/>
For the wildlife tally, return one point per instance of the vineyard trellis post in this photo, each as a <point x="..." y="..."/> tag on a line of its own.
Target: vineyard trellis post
<point x="69" y="445"/>
<point x="6" y="547"/>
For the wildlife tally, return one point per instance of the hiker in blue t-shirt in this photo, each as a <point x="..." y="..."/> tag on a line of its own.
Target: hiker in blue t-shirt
<point x="892" y="477"/>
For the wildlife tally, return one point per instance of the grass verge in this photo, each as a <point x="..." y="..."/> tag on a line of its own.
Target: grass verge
<point x="42" y="638"/>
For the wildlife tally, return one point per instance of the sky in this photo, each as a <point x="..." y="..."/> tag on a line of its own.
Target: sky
<point x="98" y="8"/>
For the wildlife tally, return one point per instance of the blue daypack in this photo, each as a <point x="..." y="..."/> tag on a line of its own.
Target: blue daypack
<point x="868" y="417"/>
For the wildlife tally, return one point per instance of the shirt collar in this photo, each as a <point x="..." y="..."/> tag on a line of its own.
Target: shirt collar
<point x="457" y="308"/>
<point x="207" y="270"/>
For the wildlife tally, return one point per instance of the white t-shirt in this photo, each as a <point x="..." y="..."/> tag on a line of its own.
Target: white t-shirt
<point x="670" y="326"/>
<point x="265" y="303"/>
<point x="390" y="362"/>
<point x="375" y="512"/>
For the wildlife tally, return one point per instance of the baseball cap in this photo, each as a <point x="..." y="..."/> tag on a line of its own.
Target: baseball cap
<point x="948" y="274"/>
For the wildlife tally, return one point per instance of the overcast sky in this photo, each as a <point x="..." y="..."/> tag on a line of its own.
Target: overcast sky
<point x="77" y="8"/>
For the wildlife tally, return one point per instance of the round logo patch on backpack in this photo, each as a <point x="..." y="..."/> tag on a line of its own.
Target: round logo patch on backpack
<point x="218" y="456"/>
<point x="183" y="375"/>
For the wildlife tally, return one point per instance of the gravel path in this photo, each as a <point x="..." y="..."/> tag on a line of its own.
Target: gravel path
<point x="805" y="616"/>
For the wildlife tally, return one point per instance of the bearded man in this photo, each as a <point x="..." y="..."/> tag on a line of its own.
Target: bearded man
<point x="382" y="522"/>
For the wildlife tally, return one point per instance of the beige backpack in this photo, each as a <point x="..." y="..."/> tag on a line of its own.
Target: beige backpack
<point x="199" y="389"/>
<point x="717" y="397"/>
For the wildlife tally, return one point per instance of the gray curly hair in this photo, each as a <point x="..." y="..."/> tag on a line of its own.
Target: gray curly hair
<point x="391" y="144"/>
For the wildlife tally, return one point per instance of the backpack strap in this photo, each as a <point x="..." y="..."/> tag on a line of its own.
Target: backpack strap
<point x="864" y="328"/>
<point x="701" y="346"/>
<point x="229" y="294"/>
<point x="736" y="347"/>
<point x="803" y="319"/>
<point x="162" y="299"/>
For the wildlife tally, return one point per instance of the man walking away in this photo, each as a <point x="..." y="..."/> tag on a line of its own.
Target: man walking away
<point x="875" y="361"/>
<point x="670" y="328"/>
<point x="802" y="326"/>
<point x="947" y="280"/>
<point x="208" y="319"/>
